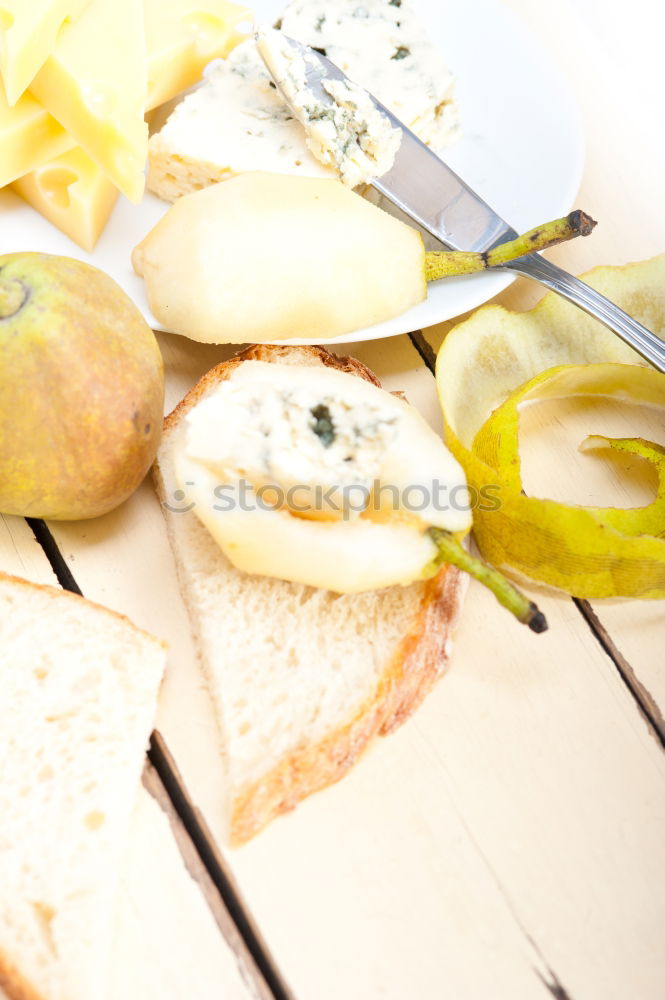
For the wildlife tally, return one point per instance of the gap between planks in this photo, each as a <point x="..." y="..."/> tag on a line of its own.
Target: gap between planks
<point x="645" y="701"/>
<point x="163" y="781"/>
<point x="210" y="870"/>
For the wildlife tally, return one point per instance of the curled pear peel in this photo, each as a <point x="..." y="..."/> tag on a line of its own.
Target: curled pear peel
<point x="648" y="520"/>
<point x="495" y="361"/>
<point x="451" y="263"/>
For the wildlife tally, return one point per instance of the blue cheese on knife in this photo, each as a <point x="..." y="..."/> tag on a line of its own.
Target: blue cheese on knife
<point x="344" y="130"/>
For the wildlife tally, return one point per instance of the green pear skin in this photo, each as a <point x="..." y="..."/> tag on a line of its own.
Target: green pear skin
<point x="81" y="389"/>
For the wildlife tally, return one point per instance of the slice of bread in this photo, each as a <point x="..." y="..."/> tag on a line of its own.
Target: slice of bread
<point x="79" y="691"/>
<point x="302" y="679"/>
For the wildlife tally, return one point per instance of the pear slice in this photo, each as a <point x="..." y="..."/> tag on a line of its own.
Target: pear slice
<point x="287" y="492"/>
<point x="262" y="257"/>
<point x="315" y="476"/>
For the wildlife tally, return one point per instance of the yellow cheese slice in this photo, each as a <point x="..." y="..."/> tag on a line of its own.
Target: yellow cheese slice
<point x="28" y="31"/>
<point x="182" y="36"/>
<point x="73" y="193"/>
<point x="29" y="136"/>
<point x="95" y="84"/>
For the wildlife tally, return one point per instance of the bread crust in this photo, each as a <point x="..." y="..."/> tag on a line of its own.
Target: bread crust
<point x="12" y="982"/>
<point x="420" y="659"/>
<point x="68" y="595"/>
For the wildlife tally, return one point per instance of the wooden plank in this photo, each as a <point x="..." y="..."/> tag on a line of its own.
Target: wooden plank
<point x="520" y="813"/>
<point x="526" y="788"/>
<point x="174" y="937"/>
<point x="20" y="553"/>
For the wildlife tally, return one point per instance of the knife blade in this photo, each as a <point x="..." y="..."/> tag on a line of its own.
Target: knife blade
<point x="419" y="183"/>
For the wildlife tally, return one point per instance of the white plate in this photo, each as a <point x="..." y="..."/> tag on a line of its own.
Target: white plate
<point x="521" y="149"/>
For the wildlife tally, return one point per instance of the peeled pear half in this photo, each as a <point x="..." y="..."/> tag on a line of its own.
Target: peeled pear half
<point x="316" y="476"/>
<point x="262" y="257"/>
<point x="356" y="497"/>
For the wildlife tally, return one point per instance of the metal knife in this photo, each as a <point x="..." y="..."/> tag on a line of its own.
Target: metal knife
<point x="461" y="220"/>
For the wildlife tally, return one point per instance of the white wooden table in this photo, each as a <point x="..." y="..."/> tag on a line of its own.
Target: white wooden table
<point x="509" y="841"/>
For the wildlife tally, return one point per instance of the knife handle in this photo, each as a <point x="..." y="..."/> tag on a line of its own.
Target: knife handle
<point x="643" y="341"/>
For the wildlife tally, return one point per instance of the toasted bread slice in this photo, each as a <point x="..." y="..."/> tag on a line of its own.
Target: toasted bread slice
<point x="79" y="693"/>
<point x="302" y="679"/>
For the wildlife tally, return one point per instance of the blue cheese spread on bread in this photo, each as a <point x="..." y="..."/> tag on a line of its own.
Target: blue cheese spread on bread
<point x="291" y="432"/>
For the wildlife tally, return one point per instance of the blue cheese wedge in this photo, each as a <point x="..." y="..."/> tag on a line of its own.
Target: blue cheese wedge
<point x="345" y="130"/>
<point x="235" y="122"/>
<point x="382" y="46"/>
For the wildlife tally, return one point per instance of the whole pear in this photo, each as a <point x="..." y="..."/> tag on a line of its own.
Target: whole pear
<point x="81" y="389"/>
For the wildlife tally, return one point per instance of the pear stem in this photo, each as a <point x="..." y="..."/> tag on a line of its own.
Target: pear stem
<point x="450" y="550"/>
<point x="13" y="294"/>
<point x="449" y="263"/>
